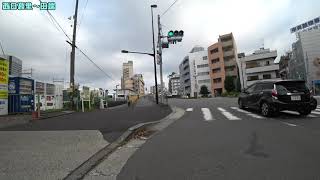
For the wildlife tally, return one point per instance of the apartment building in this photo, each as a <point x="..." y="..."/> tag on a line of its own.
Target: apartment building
<point x="194" y="72"/>
<point x="127" y="73"/>
<point x="258" y="66"/>
<point x="223" y="61"/>
<point x="174" y="84"/>
<point x="138" y="84"/>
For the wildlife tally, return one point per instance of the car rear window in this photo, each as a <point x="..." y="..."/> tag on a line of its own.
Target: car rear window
<point x="267" y="86"/>
<point x="291" y="87"/>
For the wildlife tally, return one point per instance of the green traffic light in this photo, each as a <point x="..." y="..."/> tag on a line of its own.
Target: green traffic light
<point x="170" y="34"/>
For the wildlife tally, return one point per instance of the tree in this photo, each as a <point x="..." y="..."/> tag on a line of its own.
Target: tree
<point x="204" y="91"/>
<point x="229" y="84"/>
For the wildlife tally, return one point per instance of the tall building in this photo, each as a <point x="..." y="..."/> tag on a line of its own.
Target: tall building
<point x="127" y="73"/>
<point x="223" y="61"/>
<point x="258" y="66"/>
<point x="305" y="59"/>
<point x="194" y="72"/>
<point x="174" y="84"/>
<point x="15" y="65"/>
<point x="138" y="84"/>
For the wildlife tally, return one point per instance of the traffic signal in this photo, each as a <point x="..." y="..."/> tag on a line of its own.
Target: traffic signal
<point x="175" y="36"/>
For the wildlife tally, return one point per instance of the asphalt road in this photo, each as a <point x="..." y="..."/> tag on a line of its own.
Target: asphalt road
<point x="216" y="140"/>
<point x="112" y="123"/>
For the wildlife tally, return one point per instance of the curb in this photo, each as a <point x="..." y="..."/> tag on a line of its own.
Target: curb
<point x="97" y="158"/>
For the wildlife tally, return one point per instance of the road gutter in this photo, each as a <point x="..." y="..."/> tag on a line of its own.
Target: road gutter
<point x="97" y="158"/>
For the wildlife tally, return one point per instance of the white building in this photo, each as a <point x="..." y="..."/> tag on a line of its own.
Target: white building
<point x="195" y="72"/>
<point x="258" y="66"/>
<point x="174" y="84"/>
<point x="305" y="60"/>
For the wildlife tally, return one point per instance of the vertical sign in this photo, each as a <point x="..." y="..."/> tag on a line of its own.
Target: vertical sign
<point x="4" y="76"/>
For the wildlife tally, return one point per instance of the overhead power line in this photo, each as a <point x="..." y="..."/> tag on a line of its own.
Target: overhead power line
<point x="170" y="7"/>
<point x="78" y="47"/>
<point x="95" y="64"/>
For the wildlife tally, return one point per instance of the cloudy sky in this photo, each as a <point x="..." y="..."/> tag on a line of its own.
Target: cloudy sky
<point x="106" y="27"/>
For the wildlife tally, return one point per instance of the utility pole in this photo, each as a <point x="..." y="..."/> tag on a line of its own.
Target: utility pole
<point x="160" y="57"/>
<point x="154" y="56"/>
<point x="72" y="60"/>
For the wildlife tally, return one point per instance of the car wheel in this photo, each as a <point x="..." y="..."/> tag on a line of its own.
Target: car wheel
<point x="240" y="102"/>
<point x="266" y="109"/>
<point x="305" y="112"/>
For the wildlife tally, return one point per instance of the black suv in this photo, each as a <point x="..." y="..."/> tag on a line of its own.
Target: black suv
<point x="270" y="97"/>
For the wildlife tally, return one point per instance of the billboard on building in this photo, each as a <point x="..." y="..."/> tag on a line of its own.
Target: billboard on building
<point x="4" y="75"/>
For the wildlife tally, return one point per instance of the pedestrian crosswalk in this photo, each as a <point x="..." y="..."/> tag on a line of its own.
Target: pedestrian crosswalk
<point x="236" y="114"/>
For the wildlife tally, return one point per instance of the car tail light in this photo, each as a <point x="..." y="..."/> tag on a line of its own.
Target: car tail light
<point x="274" y="93"/>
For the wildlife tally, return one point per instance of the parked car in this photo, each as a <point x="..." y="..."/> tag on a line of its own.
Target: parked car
<point x="270" y="97"/>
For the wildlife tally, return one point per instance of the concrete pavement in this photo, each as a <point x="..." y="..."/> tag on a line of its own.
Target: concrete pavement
<point x="235" y="144"/>
<point x="50" y="149"/>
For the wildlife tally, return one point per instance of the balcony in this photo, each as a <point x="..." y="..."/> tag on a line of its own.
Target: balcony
<point x="231" y="62"/>
<point x="227" y="43"/>
<point x="262" y="69"/>
<point x="228" y="53"/>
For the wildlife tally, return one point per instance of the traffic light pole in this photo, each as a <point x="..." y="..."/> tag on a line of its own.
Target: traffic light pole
<point x="160" y="58"/>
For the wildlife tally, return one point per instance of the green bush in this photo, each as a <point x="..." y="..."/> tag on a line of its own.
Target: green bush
<point x="230" y="94"/>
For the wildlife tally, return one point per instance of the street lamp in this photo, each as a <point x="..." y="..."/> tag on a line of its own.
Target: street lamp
<point x="134" y="52"/>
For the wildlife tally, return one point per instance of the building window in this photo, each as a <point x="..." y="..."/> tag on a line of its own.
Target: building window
<point x="253" y="78"/>
<point x="217" y="80"/>
<point x="186" y="67"/>
<point x="214" y="50"/>
<point x="317" y="20"/>
<point x="304" y="25"/>
<point x="203" y="73"/>
<point x="204" y="81"/>
<point x="252" y="64"/>
<point x="267" y="76"/>
<point x="267" y="63"/>
<point x="205" y="58"/>
<point x="202" y="66"/>
<point x="216" y="70"/>
<point x="187" y="80"/>
<point x="229" y="68"/>
<point x="215" y="60"/>
<point x="299" y="27"/>
<point x="310" y="23"/>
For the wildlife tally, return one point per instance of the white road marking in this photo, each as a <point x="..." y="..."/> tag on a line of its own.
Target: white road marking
<point x="315" y="112"/>
<point x="312" y="116"/>
<point x="228" y="114"/>
<point x="248" y="113"/>
<point x="289" y="124"/>
<point x="317" y="109"/>
<point x="291" y="112"/>
<point x="189" y="110"/>
<point x="240" y="110"/>
<point x="207" y="114"/>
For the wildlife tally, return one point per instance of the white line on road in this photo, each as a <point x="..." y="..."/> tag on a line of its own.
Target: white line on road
<point x="248" y="113"/>
<point x="315" y="112"/>
<point x="228" y="115"/>
<point x="207" y="114"/>
<point x="291" y="112"/>
<point x="312" y="116"/>
<point x="240" y="110"/>
<point x="289" y="124"/>
<point x="317" y="109"/>
<point x="189" y="110"/>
